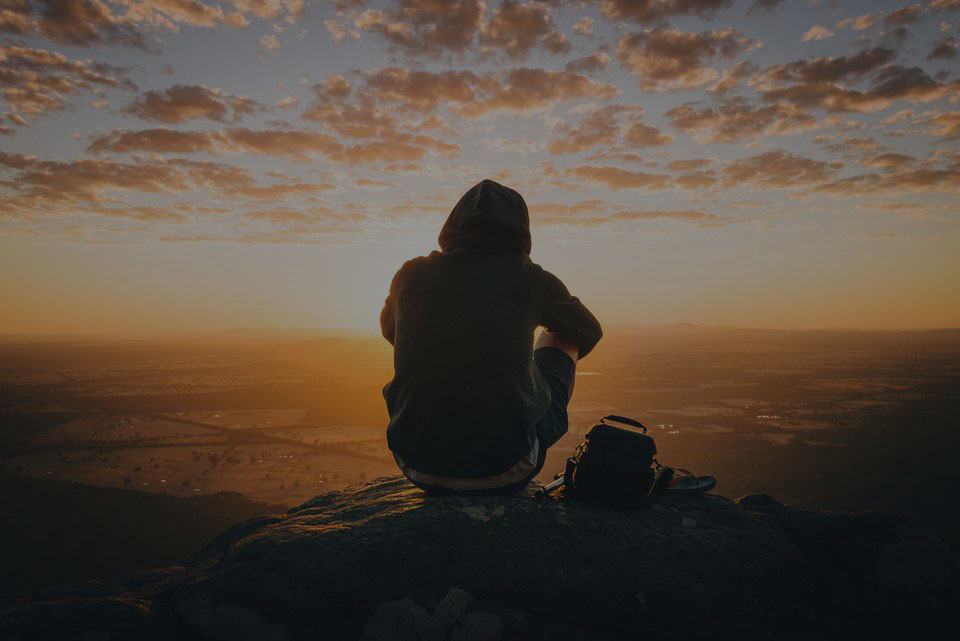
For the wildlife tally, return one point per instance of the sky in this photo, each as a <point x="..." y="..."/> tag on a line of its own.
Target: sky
<point x="188" y="165"/>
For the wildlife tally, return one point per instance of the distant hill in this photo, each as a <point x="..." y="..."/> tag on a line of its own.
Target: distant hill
<point x="56" y="532"/>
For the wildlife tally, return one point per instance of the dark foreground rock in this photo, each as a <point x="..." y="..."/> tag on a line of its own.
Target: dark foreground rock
<point x="385" y="561"/>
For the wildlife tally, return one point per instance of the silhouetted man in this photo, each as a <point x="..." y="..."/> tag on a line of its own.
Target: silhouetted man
<point x="473" y="403"/>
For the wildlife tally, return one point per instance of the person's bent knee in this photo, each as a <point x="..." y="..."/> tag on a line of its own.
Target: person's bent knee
<point x="555" y="340"/>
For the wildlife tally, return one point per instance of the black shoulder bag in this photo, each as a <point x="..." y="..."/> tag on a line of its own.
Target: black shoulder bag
<point x="615" y="466"/>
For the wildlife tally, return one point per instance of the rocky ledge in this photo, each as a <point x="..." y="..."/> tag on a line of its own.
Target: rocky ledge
<point x="383" y="560"/>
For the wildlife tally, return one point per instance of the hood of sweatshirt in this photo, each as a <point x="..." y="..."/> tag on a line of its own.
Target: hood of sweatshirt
<point x="488" y="216"/>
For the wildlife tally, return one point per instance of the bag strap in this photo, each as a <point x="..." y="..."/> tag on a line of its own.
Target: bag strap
<point x="625" y="421"/>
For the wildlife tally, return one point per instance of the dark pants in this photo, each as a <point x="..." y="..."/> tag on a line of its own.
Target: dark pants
<point x="559" y="370"/>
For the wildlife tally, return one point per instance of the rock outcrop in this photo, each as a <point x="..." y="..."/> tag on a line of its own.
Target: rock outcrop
<point x="383" y="560"/>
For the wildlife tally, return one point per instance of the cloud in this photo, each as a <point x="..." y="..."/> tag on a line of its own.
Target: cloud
<point x="616" y="178"/>
<point x="904" y="15"/>
<point x="180" y="103"/>
<point x="665" y="59"/>
<point x="888" y="161"/>
<point x="641" y="135"/>
<point x="287" y="102"/>
<point x="525" y="89"/>
<point x="593" y="63"/>
<point x="766" y="5"/>
<point x="84" y="23"/>
<point x="907" y="180"/>
<point x="950" y="5"/>
<point x="688" y="164"/>
<point x="816" y="32"/>
<point x="654" y="11"/>
<point x="156" y="141"/>
<point x="518" y="28"/>
<point x="35" y="81"/>
<point x="379" y="151"/>
<point x="428" y="28"/>
<point x="514" y="90"/>
<point x="42" y="186"/>
<point x="820" y="82"/>
<point x="584" y="26"/>
<point x="267" y="42"/>
<point x="296" y="145"/>
<point x="558" y="209"/>
<point x="603" y="126"/>
<point x="859" y="23"/>
<point x="945" y="49"/>
<point x="736" y="119"/>
<point x="78" y="23"/>
<point x="375" y="185"/>
<point x="340" y="31"/>
<point x="776" y="170"/>
<point x="852" y="146"/>
<point x="279" y="191"/>
<point x="41" y="183"/>
<point x="147" y="213"/>
<point x="830" y="69"/>
<point x="288" y="215"/>
<point x="732" y="76"/>
<point x="702" y="218"/>
<point x="944" y="125"/>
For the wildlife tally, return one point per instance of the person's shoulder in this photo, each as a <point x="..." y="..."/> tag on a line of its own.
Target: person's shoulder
<point x="417" y="261"/>
<point x="539" y="271"/>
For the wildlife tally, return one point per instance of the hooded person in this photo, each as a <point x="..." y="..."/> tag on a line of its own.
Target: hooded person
<point x="472" y="404"/>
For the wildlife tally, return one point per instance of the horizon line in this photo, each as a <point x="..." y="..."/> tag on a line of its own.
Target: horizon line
<point x="352" y="332"/>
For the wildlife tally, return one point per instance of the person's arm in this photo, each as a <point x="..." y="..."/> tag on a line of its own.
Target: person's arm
<point x="565" y="315"/>
<point x="387" y="314"/>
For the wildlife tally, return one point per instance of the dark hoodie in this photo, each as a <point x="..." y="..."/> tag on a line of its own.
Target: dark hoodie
<point x="466" y="395"/>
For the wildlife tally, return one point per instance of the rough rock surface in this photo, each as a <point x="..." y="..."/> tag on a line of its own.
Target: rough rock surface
<point x="383" y="560"/>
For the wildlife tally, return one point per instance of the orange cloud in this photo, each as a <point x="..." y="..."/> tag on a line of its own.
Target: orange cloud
<point x="945" y="124"/>
<point x="682" y="215"/>
<point x="156" y="140"/>
<point x="776" y="170"/>
<point x="909" y="180"/>
<point x="514" y="90"/>
<point x="600" y="127"/>
<point x="280" y="191"/>
<point x="666" y="59"/>
<point x="296" y="145"/>
<point x="859" y="23"/>
<point x="904" y="15"/>
<point x="593" y="63"/>
<point x="525" y="89"/>
<point x="653" y="11"/>
<point x="429" y="28"/>
<point x="616" y="178"/>
<point x="518" y="28"/>
<point x="85" y="23"/>
<point x="37" y="185"/>
<point x="735" y="119"/>
<point x="641" y="135"/>
<point x="817" y="82"/>
<point x="180" y="103"/>
<point x="34" y="81"/>
<point x="888" y="161"/>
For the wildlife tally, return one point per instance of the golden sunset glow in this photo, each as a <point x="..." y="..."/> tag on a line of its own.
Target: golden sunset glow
<point x="202" y="165"/>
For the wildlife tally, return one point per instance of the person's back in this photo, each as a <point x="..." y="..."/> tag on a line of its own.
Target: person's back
<point x="470" y="401"/>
